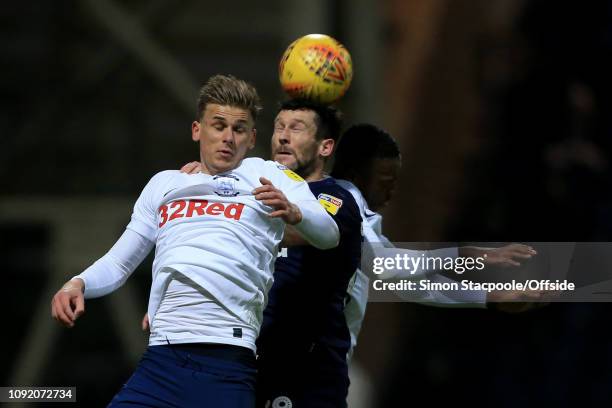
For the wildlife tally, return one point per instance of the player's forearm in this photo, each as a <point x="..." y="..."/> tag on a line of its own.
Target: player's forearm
<point x="317" y="227"/>
<point x="112" y="270"/>
<point x="473" y="251"/>
<point x="292" y="238"/>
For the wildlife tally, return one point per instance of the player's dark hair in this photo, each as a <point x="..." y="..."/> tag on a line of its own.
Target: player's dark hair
<point x="328" y="118"/>
<point x="359" y="146"/>
<point x="229" y="91"/>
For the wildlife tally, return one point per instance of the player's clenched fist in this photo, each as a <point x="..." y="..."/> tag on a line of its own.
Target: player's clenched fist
<point x="69" y="303"/>
<point x="273" y="197"/>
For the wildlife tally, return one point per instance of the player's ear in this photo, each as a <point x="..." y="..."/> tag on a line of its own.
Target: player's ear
<point x="326" y="147"/>
<point x="195" y="131"/>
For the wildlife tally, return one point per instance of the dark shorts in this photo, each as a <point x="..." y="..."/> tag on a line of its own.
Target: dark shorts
<point x="313" y="378"/>
<point x="191" y="375"/>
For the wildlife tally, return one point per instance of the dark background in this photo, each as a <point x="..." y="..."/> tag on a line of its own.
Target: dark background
<point x="501" y="109"/>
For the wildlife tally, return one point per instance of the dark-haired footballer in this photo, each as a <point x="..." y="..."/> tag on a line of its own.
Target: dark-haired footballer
<point x="304" y="339"/>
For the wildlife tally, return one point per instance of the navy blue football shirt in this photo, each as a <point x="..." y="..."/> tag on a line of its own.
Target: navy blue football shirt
<point x="306" y="303"/>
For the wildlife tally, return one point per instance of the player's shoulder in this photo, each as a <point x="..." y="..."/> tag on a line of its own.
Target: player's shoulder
<point x="333" y="196"/>
<point x="329" y="185"/>
<point x="258" y="162"/>
<point x="257" y="165"/>
<point x="253" y="162"/>
<point x="355" y="194"/>
<point x="165" y="176"/>
<point x="163" y="179"/>
<point x="167" y="173"/>
<point x="158" y="184"/>
<point x="274" y="170"/>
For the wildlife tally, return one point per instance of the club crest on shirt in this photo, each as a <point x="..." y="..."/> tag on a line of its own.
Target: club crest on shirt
<point x="225" y="185"/>
<point x="291" y="174"/>
<point x="330" y="203"/>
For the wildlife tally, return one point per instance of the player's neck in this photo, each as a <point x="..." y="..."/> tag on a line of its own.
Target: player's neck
<point x="212" y="171"/>
<point x="316" y="175"/>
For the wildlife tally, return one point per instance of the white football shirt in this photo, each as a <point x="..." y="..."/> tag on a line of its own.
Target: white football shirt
<point x="219" y="239"/>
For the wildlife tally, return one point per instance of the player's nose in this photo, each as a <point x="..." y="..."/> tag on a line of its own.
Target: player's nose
<point x="228" y="136"/>
<point x="284" y="136"/>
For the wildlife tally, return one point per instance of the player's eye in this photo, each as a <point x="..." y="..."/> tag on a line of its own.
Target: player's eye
<point x="218" y="125"/>
<point x="239" y="129"/>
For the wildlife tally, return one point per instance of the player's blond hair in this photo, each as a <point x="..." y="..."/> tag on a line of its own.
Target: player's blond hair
<point x="228" y="90"/>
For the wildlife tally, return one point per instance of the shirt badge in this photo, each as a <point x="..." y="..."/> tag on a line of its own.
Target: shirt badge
<point x="225" y="185"/>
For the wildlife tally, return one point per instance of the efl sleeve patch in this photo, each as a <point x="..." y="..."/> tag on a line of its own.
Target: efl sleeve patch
<point x="292" y="175"/>
<point x="330" y="203"/>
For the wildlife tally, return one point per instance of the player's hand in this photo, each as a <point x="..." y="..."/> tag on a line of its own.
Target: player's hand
<point x="145" y="323"/>
<point x="518" y="301"/>
<point x="192" y="168"/>
<point x="69" y="303"/>
<point x="508" y="255"/>
<point x="273" y="197"/>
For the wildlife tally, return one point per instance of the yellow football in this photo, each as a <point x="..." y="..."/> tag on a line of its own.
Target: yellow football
<point x="316" y="67"/>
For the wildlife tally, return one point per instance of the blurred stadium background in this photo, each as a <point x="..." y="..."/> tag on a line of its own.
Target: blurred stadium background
<point x="502" y="111"/>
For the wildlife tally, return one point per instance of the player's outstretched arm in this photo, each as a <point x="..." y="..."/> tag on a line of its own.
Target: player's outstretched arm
<point x="111" y="271"/>
<point x="308" y="217"/>
<point x="69" y="302"/>
<point x="104" y="276"/>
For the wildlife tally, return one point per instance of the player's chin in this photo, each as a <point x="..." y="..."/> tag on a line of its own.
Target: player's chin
<point x="286" y="160"/>
<point x="225" y="164"/>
